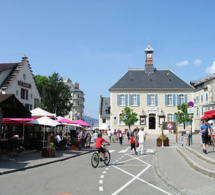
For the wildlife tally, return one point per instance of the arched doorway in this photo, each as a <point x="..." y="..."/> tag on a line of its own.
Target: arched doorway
<point x="152" y="121"/>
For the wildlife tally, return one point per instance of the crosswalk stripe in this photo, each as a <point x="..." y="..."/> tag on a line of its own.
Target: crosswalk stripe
<point x="111" y="151"/>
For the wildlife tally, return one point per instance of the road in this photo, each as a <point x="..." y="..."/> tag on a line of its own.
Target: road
<point x="126" y="174"/>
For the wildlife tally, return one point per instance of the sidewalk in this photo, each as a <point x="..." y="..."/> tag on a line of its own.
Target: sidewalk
<point x="181" y="167"/>
<point x="34" y="159"/>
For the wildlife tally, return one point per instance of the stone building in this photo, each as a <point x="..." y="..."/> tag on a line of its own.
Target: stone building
<point x="204" y="97"/>
<point x="17" y="78"/>
<point x="153" y="93"/>
<point x="104" y="113"/>
<point x="77" y="111"/>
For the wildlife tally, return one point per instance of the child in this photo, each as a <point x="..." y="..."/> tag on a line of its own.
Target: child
<point x="133" y="143"/>
<point x="98" y="144"/>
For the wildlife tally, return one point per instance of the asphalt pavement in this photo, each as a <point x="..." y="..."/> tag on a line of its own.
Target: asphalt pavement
<point x="185" y="169"/>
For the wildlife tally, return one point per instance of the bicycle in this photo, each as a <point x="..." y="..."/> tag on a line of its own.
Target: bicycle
<point x="98" y="156"/>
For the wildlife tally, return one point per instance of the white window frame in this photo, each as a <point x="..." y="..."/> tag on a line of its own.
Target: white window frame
<point x="167" y="116"/>
<point x="134" y="99"/>
<point x="122" y="99"/>
<point x="180" y="99"/>
<point x="120" y="122"/>
<point x="151" y="97"/>
<point x="168" y="103"/>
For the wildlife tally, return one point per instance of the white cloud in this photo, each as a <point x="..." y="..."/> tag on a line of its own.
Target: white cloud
<point x="210" y="70"/>
<point x="184" y="63"/>
<point x="197" y="62"/>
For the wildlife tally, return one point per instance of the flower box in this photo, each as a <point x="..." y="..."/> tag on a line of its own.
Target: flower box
<point x="165" y="143"/>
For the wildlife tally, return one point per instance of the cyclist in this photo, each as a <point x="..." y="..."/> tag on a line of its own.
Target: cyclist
<point x="98" y="144"/>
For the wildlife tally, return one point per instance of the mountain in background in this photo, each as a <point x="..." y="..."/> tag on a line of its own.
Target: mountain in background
<point x="90" y="120"/>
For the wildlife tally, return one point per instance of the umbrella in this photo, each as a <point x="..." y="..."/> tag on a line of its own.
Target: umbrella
<point x="39" y="112"/>
<point x="65" y="120"/>
<point x="82" y="123"/>
<point x="46" y="121"/>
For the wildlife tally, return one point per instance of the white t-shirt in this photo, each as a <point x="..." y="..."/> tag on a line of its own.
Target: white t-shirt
<point x="109" y="133"/>
<point x="141" y="135"/>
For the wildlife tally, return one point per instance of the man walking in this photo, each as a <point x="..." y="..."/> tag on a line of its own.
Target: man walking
<point x="141" y="138"/>
<point x="205" y="130"/>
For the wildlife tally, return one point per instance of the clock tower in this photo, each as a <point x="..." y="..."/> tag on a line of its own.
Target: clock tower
<point x="149" y="59"/>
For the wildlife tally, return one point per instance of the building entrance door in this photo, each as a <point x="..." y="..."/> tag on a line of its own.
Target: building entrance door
<point x="152" y="121"/>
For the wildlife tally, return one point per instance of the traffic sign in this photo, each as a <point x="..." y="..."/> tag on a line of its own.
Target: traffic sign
<point x="190" y="104"/>
<point x="169" y="126"/>
<point x="191" y="110"/>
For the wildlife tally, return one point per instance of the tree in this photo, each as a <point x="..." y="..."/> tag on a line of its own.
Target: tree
<point x="128" y="116"/>
<point x="56" y="96"/>
<point x="182" y="116"/>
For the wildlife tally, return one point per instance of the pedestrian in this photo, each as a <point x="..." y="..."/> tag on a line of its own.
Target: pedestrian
<point x="95" y="136"/>
<point x="205" y="129"/>
<point x="114" y="135"/>
<point x="133" y="144"/>
<point x="120" y="137"/>
<point x="129" y="134"/>
<point x="88" y="139"/>
<point x="141" y="139"/>
<point x="109" y="135"/>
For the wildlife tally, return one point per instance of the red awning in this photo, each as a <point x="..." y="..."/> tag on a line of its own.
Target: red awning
<point x="210" y="114"/>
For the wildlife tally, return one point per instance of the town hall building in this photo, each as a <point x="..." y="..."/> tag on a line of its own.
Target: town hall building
<point x="153" y="93"/>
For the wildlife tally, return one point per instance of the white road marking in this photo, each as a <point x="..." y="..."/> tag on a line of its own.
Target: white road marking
<point x="104" y="172"/>
<point x="100" y="181"/>
<point x="102" y="176"/>
<point x="111" y="151"/>
<point x="124" y="151"/>
<point x="101" y="189"/>
<point x="149" y="151"/>
<point x="137" y="177"/>
<point x="107" y="168"/>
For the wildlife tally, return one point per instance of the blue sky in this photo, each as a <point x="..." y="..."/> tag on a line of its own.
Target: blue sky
<point x="94" y="41"/>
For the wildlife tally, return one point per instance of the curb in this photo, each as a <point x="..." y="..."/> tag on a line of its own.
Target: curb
<point x="169" y="183"/>
<point x="203" y="157"/>
<point x="42" y="164"/>
<point x="195" y="165"/>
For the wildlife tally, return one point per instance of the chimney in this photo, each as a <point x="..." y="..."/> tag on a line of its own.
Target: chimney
<point x="77" y="85"/>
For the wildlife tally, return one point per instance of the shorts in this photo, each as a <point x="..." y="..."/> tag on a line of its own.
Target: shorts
<point x="133" y="145"/>
<point x="204" y="138"/>
<point x="101" y="150"/>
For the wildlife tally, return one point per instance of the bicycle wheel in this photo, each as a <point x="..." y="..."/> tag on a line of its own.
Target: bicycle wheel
<point x="107" y="157"/>
<point x="95" y="159"/>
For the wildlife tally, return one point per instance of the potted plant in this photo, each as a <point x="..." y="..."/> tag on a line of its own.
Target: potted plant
<point x="165" y="140"/>
<point x="49" y="150"/>
<point x="20" y="151"/>
<point x="3" y="155"/>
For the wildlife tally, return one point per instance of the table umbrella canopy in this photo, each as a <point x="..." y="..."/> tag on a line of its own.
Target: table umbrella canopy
<point x="44" y="121"/>
<point x="82" y="123"/>
<point x="39" y="112"/>
<point x="17" y="120"/>
<point x="65" y="120"/>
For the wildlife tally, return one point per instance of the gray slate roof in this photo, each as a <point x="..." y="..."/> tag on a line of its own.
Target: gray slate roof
<point x="159" y="79"/>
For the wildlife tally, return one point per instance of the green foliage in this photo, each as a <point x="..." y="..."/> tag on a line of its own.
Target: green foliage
<point x="182" y="116"/>
<point x="128" y="116"/>
<point x="55" y="94"/>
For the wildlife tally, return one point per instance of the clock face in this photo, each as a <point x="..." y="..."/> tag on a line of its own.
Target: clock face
<point x="149" y="55"/>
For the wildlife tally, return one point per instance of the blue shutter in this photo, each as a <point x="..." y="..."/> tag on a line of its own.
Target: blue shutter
<point x="126" y="100"/>
<point x="201" y="98"/>
<point x="148" y="101"/>
<point x="138" y="100"/>
<point x="173" y="99"/>
<point x="156" y="99"/>
<point x="118" y="100"/>
<point x="186" y="123"/>
<point x="202" y="110"/>
<point x="206" y="97"/>
<point x="130" y="100"/>
<point x="186" y="99"/>
<point x="174" y="117"/>
<point x="178" y="100"/>
<point x="197" y="112"/>
<point x="165" y="99"/>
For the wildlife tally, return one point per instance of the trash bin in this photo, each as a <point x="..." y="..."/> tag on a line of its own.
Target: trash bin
<point x="186" y="139"/>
